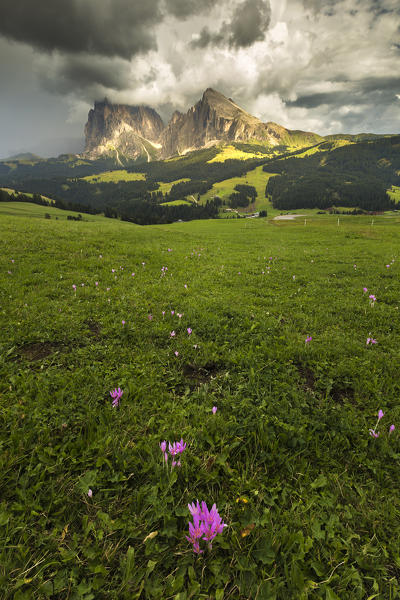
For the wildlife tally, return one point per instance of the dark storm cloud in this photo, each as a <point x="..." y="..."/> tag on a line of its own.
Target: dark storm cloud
<point x="315" y="100"/>
<point x="82" y="72"/>
<point x="248" y="24"/>
<point x="106" y="27"/>
<point x="182" y="9"/>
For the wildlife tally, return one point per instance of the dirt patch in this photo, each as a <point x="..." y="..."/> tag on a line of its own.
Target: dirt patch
<point x="39" y="350"/>
<point x="341" y="392"/>
<point x="94" y="328"/>
<point x="308" y="375"/>
<point x="200" y="374"/>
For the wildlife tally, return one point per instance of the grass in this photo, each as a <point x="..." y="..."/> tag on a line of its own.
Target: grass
<point x="115" y="176"/>
<point x="27" y="209"/>
<point x="230" y="152"/>
<point x="176" y="203"/>
<point x="394" y="193"/>
<point x="13" y="191"/>
<point x="257" y="177"/>
<point x="165" y="188"/>
<point x="311" y="500"/>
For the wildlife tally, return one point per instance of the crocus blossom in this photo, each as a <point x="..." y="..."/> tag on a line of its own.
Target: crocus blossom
<point x="189" y="330"/>
<point x="90" y="493"/>
<point x="365" y="290"/>
<point x="116" y="394"/>
<point x="391" y="429"/>
<point x="172" y="334"/>
<point x="374" y="433"/>
<point x="308" y="339"/>
<point x="214" y="410"/>
<point x="371" y="341"/>
<point x="205" y="526"/>
<point x="380" y="415"/>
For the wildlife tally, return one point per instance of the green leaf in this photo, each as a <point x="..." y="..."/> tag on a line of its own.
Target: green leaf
<point x="320" y="482"/>
<point x="330" y="594"/>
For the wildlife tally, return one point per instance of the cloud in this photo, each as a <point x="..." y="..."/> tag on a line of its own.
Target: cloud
<point x="248" y="24"/>
<point x="121" y="28"/>
<point x="182" y="9"/>
<point x="83" y="74"/>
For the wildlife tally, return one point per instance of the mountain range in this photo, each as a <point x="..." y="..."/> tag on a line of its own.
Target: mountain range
<point x="138" y="132"/>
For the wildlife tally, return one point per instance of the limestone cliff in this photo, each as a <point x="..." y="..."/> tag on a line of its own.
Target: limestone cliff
<point x="131" y="131"/>
<point x="138" y="131"/>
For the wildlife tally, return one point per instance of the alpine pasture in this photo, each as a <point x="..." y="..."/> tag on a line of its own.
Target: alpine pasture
<point x="262" y="351"/>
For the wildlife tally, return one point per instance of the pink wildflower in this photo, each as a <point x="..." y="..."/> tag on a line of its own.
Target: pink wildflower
<point x="90" y="493"/>
<point x="391" y="429"/>
<point x="189" y="330"/>
<point x="172" y="334"/>
<point x="374" y="433"/>
<point x="214" y="410"/>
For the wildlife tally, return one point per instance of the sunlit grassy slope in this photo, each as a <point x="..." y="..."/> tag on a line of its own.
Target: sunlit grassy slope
<point x="394" y="193"/>
<point x="257" y="178"/>
<point x="230" y="152"/>
<point x="27" y="209"/>
<point x="166" y="187"/>
<point x="13" y="191"/>
<point x="310" y="498"/>
<point x="115" y="176"/>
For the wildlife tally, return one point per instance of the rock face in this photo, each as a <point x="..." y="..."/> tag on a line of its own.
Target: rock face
<point x="138" y="131"/>
<point x="119" y="128"/>
<point x="213" y="119"/>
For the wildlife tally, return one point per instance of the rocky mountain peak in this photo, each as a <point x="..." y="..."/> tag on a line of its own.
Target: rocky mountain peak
<point x="138" y="131"/>
<point x="121" y="127"/>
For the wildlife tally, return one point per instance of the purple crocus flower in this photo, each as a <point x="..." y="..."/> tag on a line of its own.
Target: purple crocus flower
<point x="163" y="448"/>
<point x="123" y="323"/>
<point x="172" y="334"/>
<point x="116" y="394"/>
<point x="391" y="429"/>
<point x="365" y="290"/>
<point x="371" y="341"/>
<point x="380" y="415"/>
<point x="90" y="493"/>
<point x="189" y="330"/>
<point x="214" y="410"/>
<point x="206" y="525"/>
<point x="373" y="433"/>
<point x="308" y="339"/>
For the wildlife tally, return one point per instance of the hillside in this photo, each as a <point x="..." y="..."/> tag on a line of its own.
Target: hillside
<point x="353" y="175"/>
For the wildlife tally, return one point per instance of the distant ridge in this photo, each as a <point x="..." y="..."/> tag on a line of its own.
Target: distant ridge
<point x="22" y="156"/>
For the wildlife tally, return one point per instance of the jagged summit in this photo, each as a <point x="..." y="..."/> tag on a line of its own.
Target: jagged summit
<point x="115" y="128"/>
<point x="138" y="131"/>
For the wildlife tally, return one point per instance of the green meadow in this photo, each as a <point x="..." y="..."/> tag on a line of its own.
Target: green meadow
<point x="114" y="176"/>
<point x="88" y="507"/>
<point x="257" y="177"/>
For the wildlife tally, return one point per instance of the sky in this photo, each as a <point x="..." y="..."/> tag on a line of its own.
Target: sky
<point x="328" y="66"/>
